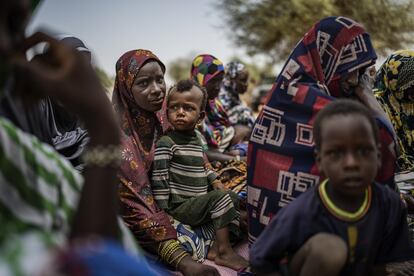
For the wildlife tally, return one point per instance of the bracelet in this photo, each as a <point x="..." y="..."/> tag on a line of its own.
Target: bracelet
<point x="103" y="156"/>
<point x="180" y="258"/>
<point x="167" y="249"/>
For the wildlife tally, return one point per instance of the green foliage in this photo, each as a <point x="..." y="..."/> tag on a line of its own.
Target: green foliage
<point x="179" y="69"/>
<point x="273" y="27"/>
<point x="107" y="81"/>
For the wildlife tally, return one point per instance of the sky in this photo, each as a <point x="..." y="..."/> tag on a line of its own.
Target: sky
<point x="170" y="28"/>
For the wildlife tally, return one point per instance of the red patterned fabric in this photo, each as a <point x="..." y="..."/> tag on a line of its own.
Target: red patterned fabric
<point x="281" y="150"/>
<point x="140" y="130"/>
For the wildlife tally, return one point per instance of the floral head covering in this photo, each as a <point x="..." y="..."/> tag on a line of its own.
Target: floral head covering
<point x="394" y="89"/>
<point x="204" y="68"/>
<point x="140" y="130"/>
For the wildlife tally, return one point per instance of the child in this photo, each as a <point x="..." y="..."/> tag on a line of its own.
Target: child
<point x="347" y="225"/>
<point x="181" y="184"/>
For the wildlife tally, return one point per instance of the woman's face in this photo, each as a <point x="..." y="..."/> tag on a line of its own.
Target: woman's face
<point x="348" y="83"/>
<point x="213" y="86"/>
<point x="148" y="88"/>
<point x="242" y="82"/>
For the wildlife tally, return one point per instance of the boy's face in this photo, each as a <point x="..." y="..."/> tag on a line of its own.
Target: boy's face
<point x="184" y="109"/>
<point x="348" y="153"/>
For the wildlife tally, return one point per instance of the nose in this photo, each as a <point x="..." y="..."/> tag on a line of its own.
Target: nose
<point x="351" y="160"/>
<point x="180" y="111"/>
<point x="353" y="78"/>
<point x="156" y="88"/>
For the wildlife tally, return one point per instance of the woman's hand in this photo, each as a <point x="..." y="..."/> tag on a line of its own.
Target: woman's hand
<point x="60" y="73"/>
<point x="189" y="267"/>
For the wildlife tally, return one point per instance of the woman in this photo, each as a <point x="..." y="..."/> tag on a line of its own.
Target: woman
<point x="327" y="63"/>
<point x="235" y="83"/>
<point x="394" y="89"/>
<point x="138" y="94"/>
<point x="208" y="71"/>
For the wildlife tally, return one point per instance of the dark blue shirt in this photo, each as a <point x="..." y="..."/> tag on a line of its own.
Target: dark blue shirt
<point x="381" y="233"/>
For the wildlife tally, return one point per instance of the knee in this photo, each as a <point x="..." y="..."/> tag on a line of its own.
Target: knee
<point x="329" y="250"/>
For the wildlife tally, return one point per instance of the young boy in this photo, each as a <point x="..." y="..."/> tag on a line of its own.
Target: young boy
<point x="347" y="225"/>
<point x="182" y="185"/>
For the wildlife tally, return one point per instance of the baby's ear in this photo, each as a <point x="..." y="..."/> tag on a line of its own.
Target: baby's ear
<point x="201" y="116"/>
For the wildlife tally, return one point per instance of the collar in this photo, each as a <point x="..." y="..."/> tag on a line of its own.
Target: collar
<point x="342" y="214"/>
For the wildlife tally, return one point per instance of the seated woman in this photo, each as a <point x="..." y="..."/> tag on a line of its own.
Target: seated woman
<point x="208" y="71"/>
<point x="235" y="83"/>
<point x="394" y="89"/>
<point x="138" y="94"/>
<point x="328" y="63"/>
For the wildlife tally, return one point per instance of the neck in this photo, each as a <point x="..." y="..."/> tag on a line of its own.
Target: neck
<point x="345" y="202"/>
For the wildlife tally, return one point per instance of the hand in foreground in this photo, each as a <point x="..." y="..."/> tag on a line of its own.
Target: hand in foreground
<point x="60" y="73"/>
<point x="191" y="268"/>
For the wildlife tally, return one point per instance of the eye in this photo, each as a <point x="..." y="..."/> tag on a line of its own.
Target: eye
<point x="364" y="151"/>
<point x="334" y="154"/>
<point x="143" y="83"/>
<point x="189" y="108"/>
<point x="160" y="80"/>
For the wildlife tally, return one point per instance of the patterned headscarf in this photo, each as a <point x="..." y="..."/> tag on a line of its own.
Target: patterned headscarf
<point x="140" y="130"/>
<point x="232" y="70"/>
<point x="392" y="89"/>
<point x="281" y="151"/>
<point x="204" y="68"/>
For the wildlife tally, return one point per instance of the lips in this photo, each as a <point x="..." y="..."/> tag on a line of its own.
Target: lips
<point x="157" y="101"/>
<point x="354" y="181"/>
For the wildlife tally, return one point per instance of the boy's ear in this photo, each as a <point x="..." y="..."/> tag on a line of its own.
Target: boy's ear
<point x="317" y="156"/>
<point x="379" y="155"/>
<point x="201" y="116"/>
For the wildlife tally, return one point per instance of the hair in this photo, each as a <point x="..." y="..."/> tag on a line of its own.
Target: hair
<point x="342" y="107"/>
<point x="186" y="85"/>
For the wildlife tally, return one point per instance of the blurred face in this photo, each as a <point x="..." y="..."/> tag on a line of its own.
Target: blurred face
<point x="184" y="110"/>
<point x="213" y="86"/>
<point x="242" y="82"/>
<point x="348" y="83"/>
<point x="348" y="154"/>
<point x="148" y="88"/>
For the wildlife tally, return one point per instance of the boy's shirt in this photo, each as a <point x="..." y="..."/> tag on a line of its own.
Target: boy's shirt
<point x="179" y="169"/>
<point x="379" y="236"/>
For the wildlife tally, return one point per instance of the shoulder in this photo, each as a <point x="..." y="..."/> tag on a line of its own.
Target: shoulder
<point x="387" y="198"/>
<point x="302" y="208"/>
<point x="165" y="141"/>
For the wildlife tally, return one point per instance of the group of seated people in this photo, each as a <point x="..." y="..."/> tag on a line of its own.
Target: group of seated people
<point x="155" y="181"/>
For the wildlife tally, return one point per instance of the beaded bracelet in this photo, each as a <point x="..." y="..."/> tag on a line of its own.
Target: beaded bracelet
<point x="103" y="156"/>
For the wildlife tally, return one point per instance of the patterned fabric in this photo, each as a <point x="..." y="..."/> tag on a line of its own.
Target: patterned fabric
<point x="281" y="162"/>
<point x="204" y="68"/>
<point x="395" y="91"/>
<point x="238" y="112"/>
<point x="140" y="129"/>
<point x="38" y="197"/>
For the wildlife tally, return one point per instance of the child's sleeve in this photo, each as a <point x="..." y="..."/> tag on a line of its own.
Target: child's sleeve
<point x="396" y="245"/>
<point x="211" y="174"/>
<point x="281" y="238"/>
<point x="160" y="173"/>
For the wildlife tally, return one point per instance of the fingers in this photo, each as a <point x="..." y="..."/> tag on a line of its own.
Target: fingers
<point x="61" y="56"/>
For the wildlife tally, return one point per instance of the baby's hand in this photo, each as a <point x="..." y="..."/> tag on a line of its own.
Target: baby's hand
<point x="217" y="185"/>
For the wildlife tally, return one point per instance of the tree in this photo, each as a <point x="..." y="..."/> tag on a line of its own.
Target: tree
<point x="179" y="69"/>
<point x="273" y="27"/>
<point x="107" y="81"/>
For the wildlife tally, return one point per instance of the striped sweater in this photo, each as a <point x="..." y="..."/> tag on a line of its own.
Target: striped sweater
<point x="179" y="170"/>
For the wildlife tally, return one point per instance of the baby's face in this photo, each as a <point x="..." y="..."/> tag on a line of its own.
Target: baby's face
<point x="348" y="153"/>
<point x="184" y="109"/>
